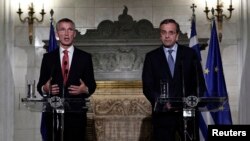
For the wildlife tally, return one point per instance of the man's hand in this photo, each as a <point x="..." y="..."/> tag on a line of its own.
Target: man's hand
<point x="76" y="90"/>
<point x="51" y="89"/>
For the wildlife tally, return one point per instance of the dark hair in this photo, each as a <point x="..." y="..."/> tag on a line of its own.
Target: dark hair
<point x="65" y="20"/>
<point x="167" y="21"/>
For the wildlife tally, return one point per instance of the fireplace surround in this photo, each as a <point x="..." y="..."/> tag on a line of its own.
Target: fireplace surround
<point x="118" y="110"/>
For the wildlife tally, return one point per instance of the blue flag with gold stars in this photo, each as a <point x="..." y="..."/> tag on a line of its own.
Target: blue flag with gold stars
<point x="216" y="86"/>
<point x="52" y="47"/>
<point x="52" y="38"/>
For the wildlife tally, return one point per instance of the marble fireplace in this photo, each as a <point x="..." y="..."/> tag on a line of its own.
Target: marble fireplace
<point x="118" y="110"/>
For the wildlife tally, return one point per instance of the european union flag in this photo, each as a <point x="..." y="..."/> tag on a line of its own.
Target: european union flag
<point x="52" y="46"/>
<point x="216" y="86"/>
<point x="52" y="38"/>
<point x="193" y="43"/>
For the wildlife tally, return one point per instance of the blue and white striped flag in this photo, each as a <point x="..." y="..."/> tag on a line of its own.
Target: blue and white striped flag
<point x="193" y="43"/>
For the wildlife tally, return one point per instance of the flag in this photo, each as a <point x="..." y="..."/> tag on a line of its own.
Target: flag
<point x="216" y="86"/>
<point x="193" y="43"/>
<point x="52" y="38"/>
<point x="52" y="46"/>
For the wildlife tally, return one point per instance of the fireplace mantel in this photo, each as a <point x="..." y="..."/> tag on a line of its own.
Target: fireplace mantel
<point x="119" y="108"/>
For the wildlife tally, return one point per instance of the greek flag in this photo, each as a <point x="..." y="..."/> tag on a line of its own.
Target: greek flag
<point x="193" y="43"/>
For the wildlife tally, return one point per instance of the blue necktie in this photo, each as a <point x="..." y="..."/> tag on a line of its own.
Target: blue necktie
<point x="171" y="61"/>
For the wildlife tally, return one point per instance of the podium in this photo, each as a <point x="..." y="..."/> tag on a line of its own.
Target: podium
<point x="57" y="106"/>
<point x="189" y="106"/>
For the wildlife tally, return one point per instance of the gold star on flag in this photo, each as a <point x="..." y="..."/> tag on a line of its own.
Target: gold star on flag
<point x="216" y="69"/>
<point x="206" y="71"/>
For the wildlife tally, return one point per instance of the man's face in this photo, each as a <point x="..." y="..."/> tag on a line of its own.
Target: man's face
<point x="66" y="34"/>
<point x="168" y="34"/>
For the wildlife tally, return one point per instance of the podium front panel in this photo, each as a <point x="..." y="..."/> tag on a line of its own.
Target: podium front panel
<point x="48" y="104"/>
<point x="176" y="104"/>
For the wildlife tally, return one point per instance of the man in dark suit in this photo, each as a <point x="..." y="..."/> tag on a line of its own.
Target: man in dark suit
<point x="69" y="78"/>
<point x="187" y="70"/>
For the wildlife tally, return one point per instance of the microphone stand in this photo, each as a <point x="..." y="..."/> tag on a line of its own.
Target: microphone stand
<point x="197" y="80"/>
<point x="186" y="110"/>
<point x="189" y="112"/>
<point x="62" y="110"/>
<point x="198" y="95"/>
<point x="54" y="116"/>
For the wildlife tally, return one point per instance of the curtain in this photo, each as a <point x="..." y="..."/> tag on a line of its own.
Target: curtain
<point x="6" y="76"/>
<point x="244" y="99"/>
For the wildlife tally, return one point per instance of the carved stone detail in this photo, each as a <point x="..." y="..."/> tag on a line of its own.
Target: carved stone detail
<point x="124" y="28"/>
<point x="121" y="105"/>
<point x="121" y="112"/>
<point x="99" y="126"/>
<point x="121" y="59"/>
<point x="115" y="128"/>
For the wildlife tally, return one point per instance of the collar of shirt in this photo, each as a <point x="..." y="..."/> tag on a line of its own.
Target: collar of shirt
<point x="70" y="53"/>
<point x="174" y="48"/>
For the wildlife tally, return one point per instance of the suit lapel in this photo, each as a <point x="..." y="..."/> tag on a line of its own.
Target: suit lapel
<point x="58" y="63"/>
<point x="178" y="59"/>
<point x="178" y="72"/>
<point x="73" y="64"/>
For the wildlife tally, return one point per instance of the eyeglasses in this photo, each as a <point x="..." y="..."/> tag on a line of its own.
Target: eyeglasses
<point x="66" y="30"/>
<point x="170" y="33"/>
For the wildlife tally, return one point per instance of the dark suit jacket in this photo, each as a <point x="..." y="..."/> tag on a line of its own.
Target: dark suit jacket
<point x="81" y="68"/>
<point x="187" y="68"/>
<point x="74" y="120"/>
<point x="156" y="69"/>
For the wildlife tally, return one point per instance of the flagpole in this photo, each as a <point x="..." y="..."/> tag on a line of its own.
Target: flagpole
<point x="52" y="46"/>
<point x="193" y="12"/>
<point x="51" y="15"/>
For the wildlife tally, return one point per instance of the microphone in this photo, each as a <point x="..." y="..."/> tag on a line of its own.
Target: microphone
<point x="197" y="78"/>
<point x="197" y="93"/>
<point x="167" y="90"/>
<point x="183" y="79"/>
